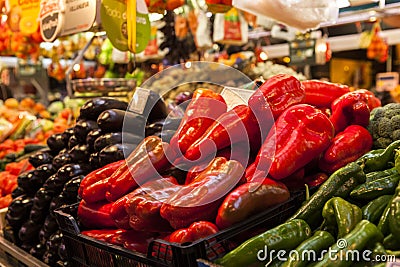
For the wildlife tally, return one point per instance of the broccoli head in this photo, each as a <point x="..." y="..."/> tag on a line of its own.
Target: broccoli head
<point x="384" y="125"/>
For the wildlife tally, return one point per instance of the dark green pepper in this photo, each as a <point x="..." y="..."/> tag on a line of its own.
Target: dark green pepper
<point x="320" y="241"/>
<point x="391" y="242"/>
<point x="350" y="175"/>
<point x="374" y="209"/>
<point x="255" y="250"/>
<point x="341" y="215"/>
<point x="379" y="187"/>
<point x="383" y="224"/>
<point x="394" y="215"/>
<point x="380" y="174"/>
<point x="379" y="161"/>
<point x="364" y="233"/>
<point x="397" y="160"/>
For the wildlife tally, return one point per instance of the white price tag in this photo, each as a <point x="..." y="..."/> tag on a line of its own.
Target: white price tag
<point x="235" y="96"/>
<point x="139" y="100"/>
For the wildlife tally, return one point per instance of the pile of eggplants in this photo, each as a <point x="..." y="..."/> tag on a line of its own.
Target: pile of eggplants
<point x="105" y="132"/>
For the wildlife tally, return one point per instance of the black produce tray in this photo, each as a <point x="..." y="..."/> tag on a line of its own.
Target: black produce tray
<point x="86" y="251"/>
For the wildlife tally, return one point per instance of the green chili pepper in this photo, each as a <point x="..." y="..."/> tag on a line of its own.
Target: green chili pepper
<point x="394" y="214"/>
<point x="256" y="250"/>
<point x="379" y="187"/>
<point x="397" y="160"/>
<point x="340" y="183"/>
<point x="364" y="233"/>
<point x="341" y="215"/>
<point x="380" y="161"/>
<point x="383" y="224"/>
<point x="391" y="242"/>
<point x="374" y="209"/>
<point x="380" y="174"/>
<point x="316" y="244"/>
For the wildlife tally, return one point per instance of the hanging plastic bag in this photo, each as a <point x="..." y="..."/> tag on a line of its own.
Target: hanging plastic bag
<point x="301" y="14"/>
<point x="230" y="28"/>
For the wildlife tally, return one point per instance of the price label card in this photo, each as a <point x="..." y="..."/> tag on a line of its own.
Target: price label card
<point x="139" y="100"/>
<point x="79" y="16"/>
<point x="50" y="19"/>
<point x="236" y="96"/>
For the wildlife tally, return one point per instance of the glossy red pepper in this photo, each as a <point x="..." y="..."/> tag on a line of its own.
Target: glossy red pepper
<point x="207" y="167"/>
<point x="106" y="235"/>
<point x="194" y="232"/>
<point x="99" y="174"/>
<point x="322" y="93"/>
<point x="204" y="108"/>
<point x="302" y="132"/>
<point x="276" y="95"/>
<point x="249" y="199"/>
<point x="144" y="163"/>
<point x="96" y="191"/>
<point x="346" y="147"/>
<point x="200" y="199"/>
<point x="235" y="126"/>
<point x="95" y="215"/>
<point x="353" y="108"/>
<point x="137" y="241"/>
<point x="144" y="210"/>
<point x="119" y="208"/>
<point x="316" y="179"/>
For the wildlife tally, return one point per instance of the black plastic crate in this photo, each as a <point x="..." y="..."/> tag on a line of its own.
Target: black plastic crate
<point x="86" y="251"/>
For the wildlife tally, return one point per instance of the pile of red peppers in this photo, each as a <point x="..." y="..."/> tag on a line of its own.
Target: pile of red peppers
<point x="238" y="162"/>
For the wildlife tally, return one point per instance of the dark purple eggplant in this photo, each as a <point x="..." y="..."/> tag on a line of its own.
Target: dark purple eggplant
<point x="28" y="245"/>
<point x="29" y="232"/>
<point x="17" y="192"/>
<point x="38" y="250"/>
<point x="70" y="190"/>
<point x="79" y="154"/>
<point x="56" y="182"/>
<point x="50" y="258"/>
<point x="61" y="160"/>
<point x="83" y="127"/>
<point x="55" y="142"/>
<point x="155" y="108"/>
<point x="29" y="182"/>
<point x="52" y="185"/>
<point x="115" y="138"/>
<point x="94" y="160"/>
<point x="42" y="198"/>
<point x="38" y="215"/>
<point x="18" y="211"/>
<point x="92" y="108"/>
<point x="11" y="235"/>
<point x="73" y="141"/>
<point x="114" y="153"/>
<point x="91" y="138"/>
<point x="114" y="120"/>
<point x="42" y="173"/>
<point x="163" y="125"/>
<point x="41" y="157"/>
<point x="60" y="201"/>
<point x="67" y="134"/>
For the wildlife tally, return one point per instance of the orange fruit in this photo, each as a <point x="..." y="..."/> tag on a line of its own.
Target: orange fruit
<point x="11" y="103"/>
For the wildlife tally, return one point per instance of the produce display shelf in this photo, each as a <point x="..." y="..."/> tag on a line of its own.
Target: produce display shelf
<point x="86" y="251"/>
<point x="13" y="256"/>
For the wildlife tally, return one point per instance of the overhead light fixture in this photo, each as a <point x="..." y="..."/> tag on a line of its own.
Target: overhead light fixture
<point x="342" y="3"/>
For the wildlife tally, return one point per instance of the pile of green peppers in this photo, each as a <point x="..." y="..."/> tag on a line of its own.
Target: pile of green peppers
<point x="356" y="210"/>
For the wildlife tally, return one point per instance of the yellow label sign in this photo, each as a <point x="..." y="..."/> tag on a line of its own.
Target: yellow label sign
<point x="23" y="16"/>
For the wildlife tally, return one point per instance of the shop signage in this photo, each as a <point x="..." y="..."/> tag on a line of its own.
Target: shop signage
<point x="50" y="19"/>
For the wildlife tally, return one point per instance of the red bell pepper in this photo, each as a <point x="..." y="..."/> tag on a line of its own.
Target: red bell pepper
<point x="353" y="108"/>
<point x="137" y="241"/>
<point x="204" y="108"/>
<point x="144" y="163"/>
<point x="95" y="215"/>
<point x="96" y="191"/>
<point x="235" y="126"/>
<point x="302" y="132"/>
<point x="106" y="235"/>
<point x="119" y="208"/>
<point x="275" y="96"/>
<point x="99" y="174"/>
<point x="346" y="147"/>
<point x="144" y="210"/>
<point x="316" y="179"/>
<point x="200" y="199"/>
<point x="322" y="93"/>
<point x="249" y="199"/>
<point x="194" y="232"/>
